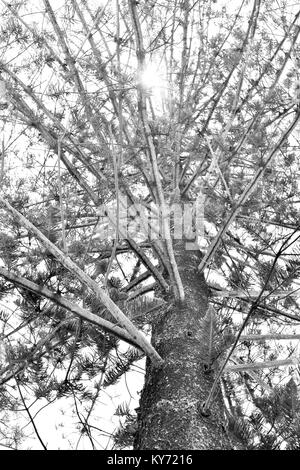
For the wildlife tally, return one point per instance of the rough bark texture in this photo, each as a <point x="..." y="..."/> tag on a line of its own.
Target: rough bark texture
<point x="169" y="416"/>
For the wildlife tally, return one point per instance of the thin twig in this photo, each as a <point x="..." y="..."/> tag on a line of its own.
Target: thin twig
<point x="29" y="415"/>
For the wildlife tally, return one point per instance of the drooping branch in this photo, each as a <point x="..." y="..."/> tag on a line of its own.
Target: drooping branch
<point x="69" y="306"/>
<point x="122" y="320"/>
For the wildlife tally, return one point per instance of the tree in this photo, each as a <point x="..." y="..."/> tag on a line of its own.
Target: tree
<point x="150" y="189"/>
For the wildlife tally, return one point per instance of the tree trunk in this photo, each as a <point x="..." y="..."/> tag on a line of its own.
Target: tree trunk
<point x="169" y="416"/>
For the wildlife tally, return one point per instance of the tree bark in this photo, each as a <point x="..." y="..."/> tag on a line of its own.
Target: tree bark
<point x="169" y="417"/>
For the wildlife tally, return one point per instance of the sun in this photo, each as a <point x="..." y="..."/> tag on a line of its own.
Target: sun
<point x="151" y="78"/>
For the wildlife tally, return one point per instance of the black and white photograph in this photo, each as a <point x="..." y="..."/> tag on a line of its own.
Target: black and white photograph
<point x="150" y="228"/>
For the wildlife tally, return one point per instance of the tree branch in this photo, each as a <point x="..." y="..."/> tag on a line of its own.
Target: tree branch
<point x="122" y="320"/>
<point x="243" y="198"/>
<point x="71" y="307"/>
